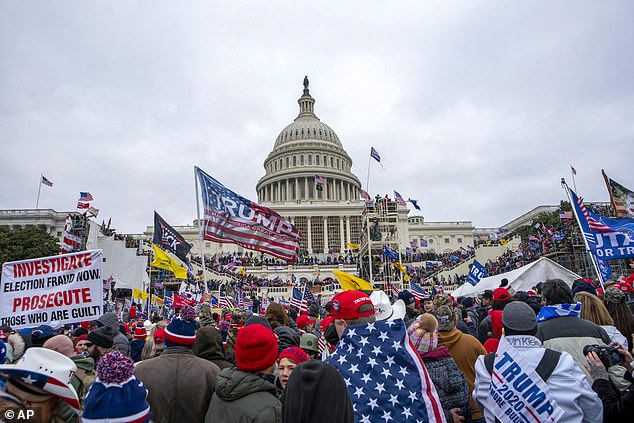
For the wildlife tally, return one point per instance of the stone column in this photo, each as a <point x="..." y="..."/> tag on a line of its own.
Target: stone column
<point x="306" y="188"/>
<point x="296" y="188"/>
<point x="341" y="235"/>
<point x="309" y="229"/>
<point x="279" y="190"/>
<point x="348" y="236"/>
<point x="325" y="234"/>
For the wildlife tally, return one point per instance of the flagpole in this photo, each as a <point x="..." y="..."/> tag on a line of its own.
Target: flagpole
<point x="200" y="228"/>
<point x="39" y="189"/>
<point x="367" y="180"/>
<point x="585" y="241"/>
<point x="607" y="184"/>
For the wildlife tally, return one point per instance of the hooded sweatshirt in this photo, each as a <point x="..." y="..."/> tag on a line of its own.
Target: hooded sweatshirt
<point x="465" y="349"/>
<point x="208" y="345"/>
<point x="242" y="397"/>
<point x="316" y="393"/>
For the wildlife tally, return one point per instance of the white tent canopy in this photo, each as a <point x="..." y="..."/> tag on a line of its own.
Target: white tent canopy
<point x="522" y="279"/>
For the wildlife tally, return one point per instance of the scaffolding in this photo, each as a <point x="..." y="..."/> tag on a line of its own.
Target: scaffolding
<point x="379" y="229"/>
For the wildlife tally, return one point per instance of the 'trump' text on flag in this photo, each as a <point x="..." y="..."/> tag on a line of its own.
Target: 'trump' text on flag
<point x="232" y="218"/>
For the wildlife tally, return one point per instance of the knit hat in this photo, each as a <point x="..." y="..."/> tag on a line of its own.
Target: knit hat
<point x="159" y="336"/>
<point x="407" y="297"/>
<point x="181" y="331"/>
<point x="467" y="302"/>
<point x="446" y="318"/>
<point x="82" y="337"/>
<point x="345" y="305"/>
<point x="255" y="348"/>
<point x="140" y="333"/>
<point x="324" y="323"/>
<point x="309" y="342"/>
<point x="303" y="321"/>
<point x="584" y="287"/>
<point x="116" y="395"/>
<point x="294" y="353"/>
<point x="286" y="337"/>
<point x="614" y="296"/>
<point x="424" y="333"/>
<point x="501" y="294"/>
<point x="102" y="336"/>
<point x="488" y="294"/>
<point x="258" y="320"/>
<point x="443" y="300"/>
<point x="519" y="318"/>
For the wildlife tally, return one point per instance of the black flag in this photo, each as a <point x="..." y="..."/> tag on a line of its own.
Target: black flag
<point x="169" y="239"/>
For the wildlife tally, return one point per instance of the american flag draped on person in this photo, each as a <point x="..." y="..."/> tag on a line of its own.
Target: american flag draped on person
<point x="386" y="378"/>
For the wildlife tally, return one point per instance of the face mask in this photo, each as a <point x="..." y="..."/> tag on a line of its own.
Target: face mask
<point x="331" y="334"/>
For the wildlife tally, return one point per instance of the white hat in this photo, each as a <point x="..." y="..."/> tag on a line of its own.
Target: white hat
<point x="47" y="370"/>
<point x="148" y="325"/>
<point x="383" y="310"/>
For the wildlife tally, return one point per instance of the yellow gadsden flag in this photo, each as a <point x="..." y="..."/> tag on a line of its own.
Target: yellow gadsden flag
<point x="353" y="247"/>
<point x="163" y="261"/>
<point x="141" y="295"/>
<point x="400" y="267"/>
<point x="351" y="283"/>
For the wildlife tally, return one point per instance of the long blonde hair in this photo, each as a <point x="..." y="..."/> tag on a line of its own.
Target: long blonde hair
<point x="593" y="309"/>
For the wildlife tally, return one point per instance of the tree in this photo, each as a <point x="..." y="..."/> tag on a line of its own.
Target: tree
<point x="26" y="243"/>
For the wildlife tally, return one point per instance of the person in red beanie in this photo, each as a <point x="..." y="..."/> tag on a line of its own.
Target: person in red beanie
<point x="247" y="392"/>
<point x="501" y="297"/>
<point x="287" y="361"/>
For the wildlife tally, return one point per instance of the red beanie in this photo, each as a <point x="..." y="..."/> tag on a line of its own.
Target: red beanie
<point x="159" y="336"/>
<point x="140" y="333"/>
<point x="255" y="348"/>
<point x="496" y="323"/>
<point x="294" y="353"/>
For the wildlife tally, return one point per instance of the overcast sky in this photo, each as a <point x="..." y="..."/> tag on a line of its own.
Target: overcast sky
<point x="477" y="108"/>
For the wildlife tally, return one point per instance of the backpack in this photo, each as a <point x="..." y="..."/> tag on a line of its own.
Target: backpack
<point x="544" y="368"/>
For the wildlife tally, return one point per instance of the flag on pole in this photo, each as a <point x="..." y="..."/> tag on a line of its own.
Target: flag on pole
<point x="365" y="196"/>
<point x="565" y="214"/>
<point x="417" y="291"/>
<point x="231" y="218"/>
<point x="320" y="180"/>
<point x="226" y="303"/>
<point x="350" y="282"/>
<point x="414" y="203"/>
<point x="399" y="199"/>
<point x="375" y="154"/>
<point x="169" y="238"/>
<point x="607" y="239"/>
<point x="92" y="212"/>
<point x="82" y="206"/>
<point x="46" y="181"/>
<point x="572" y="169"/>
<point x="476" y="273"/>
<point x="621" y="197"/>
<point x="163" y="261"/>
<point x="85" y="196"/>
<point x="297" y="298"/>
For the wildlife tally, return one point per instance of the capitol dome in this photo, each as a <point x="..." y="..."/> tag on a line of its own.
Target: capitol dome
<point x="303" y="151"/>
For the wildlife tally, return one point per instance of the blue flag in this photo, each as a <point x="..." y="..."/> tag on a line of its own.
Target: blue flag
<point x="389" y="253"/>
<point x="375" y="154"/>
<point x="604" y="269"/>
<point x="476" y="273"/>
<point x="386" y="378"/>
<point x="606" y="238"/>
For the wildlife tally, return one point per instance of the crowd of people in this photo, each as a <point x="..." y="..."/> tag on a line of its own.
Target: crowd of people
<point x="355" y="358"/>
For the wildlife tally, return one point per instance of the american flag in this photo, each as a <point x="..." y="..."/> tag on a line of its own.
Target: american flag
<point x="389" y="287"/>
<point x="240" y="300"/>
<point x="565" y="214"/>
<point x="85" y="196"/>
<point x="46" y="181"/>
<point x="81" y="205"/>
<point x="226" y="303"/>
<point x="417" y="291"/>
<point x="441" y="288"/>
<point x="320" y="180"/>
<point x="365" y="196"/>
<point x="48" y="383"/>
<point x="622" y="198"/>
<point x="297" y="299"/>
<point x="70" y="242"/>
<point x="590" y="217"/>
<point x="386" y="378"/>
<point x="399" y="199"/>
<point x="232" y="218"/>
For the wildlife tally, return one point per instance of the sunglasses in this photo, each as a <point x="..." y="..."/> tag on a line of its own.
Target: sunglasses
<point x="89" y="344"/>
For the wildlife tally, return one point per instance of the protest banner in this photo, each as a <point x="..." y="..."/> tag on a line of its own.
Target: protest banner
<point x="67" y="289"/>
<point x="517" y="392"/>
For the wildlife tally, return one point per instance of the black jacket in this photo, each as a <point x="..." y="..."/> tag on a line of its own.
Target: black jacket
<point x="615" y="408"/>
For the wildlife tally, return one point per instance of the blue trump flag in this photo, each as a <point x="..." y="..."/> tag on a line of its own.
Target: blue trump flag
<point x="389" y="253"/>
<point x="385" y="377"/>
<point x="605" y="269"/>
<point x="476" y="273"/>
<point x="606" y="238"/>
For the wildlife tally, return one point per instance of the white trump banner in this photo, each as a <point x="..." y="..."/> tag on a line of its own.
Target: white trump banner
<point x="67" y="289"/>
<point x="517" y="392"/>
